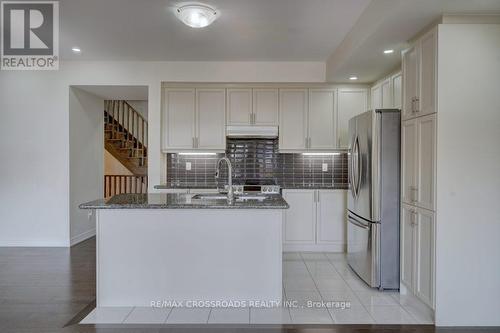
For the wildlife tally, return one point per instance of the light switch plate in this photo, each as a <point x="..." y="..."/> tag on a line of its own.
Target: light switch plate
<point x="188" y="166"/>
<point x="324" y="167"/>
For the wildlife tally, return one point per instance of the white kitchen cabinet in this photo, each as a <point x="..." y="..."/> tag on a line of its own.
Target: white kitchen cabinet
<point x="409" y="148"/>
<point x="426" y="162"/>
<point x="351" y="102"/>
<point x="418" y="252"/>
<point x="410" y="81"/>
<point x="210" y="119"/>
<point x="193" y="119"/>
<point x="178" y="119"/>
<point x="407" y="251"/>
<point x="315" y="221"/>
<point x="419" y="77"/>
<point x="293" y="119"/>
<point x="239" y="106"/>
<point x="397" y="92"/>
<point x="418" y="161"/>
<point x="321" y="119"/>
<point x="265" y="107"/>
<point x="386" y="94"/>
<point x="424" y="256"/>
<point x="376" y="97"/>
<point x="299" y="221"/>
<point x="331" y="217"/>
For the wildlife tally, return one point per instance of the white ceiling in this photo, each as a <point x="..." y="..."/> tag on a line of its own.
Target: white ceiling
<point x="350" y="34"/>
<point x="247" y="30"/>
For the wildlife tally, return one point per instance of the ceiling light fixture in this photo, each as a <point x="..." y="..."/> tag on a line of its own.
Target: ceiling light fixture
<point x="76" y="49"/>
<point x="197" y="15"/>
<point x="353" y="78"/>
<point x="388" y="51"/>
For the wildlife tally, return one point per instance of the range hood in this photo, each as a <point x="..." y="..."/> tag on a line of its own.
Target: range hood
<point x="252" y="131"/>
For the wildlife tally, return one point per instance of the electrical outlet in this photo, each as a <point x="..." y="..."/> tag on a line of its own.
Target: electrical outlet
<point x="324" y="167"/>
<point x="188" y="166"/>
<point x="89" y="215"/>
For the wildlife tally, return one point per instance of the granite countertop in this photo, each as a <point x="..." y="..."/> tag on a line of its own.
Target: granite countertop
<point x="183" y="187"/>
<point x="181" y="201"/>
<point x="285" y="187"/>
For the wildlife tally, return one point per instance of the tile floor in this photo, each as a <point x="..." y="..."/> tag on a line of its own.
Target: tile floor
<point x="307" y="277"/>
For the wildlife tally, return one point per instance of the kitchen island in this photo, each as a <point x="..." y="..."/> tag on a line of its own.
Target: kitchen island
<point x="178" y="249"/>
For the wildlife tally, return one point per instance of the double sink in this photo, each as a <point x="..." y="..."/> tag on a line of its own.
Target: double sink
<point x="237" y="197"/>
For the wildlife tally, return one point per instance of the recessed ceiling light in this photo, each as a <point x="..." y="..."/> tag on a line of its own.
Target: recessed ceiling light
<point x="353" y="78"/>
<point x="388" y="51"/>
<point x="76" y="49"/>
<point x="197" y="15"/>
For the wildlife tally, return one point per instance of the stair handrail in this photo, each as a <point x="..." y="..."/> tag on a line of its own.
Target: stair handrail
<point x="129" y="118"/>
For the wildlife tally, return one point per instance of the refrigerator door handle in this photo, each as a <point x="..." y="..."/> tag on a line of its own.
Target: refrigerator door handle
<point x="358" y="223"/>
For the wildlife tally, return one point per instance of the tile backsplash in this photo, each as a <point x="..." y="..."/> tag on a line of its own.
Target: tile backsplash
<point x="258" y="159"/>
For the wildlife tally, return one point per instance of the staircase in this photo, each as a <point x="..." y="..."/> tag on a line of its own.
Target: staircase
<point x="125" y="138"/>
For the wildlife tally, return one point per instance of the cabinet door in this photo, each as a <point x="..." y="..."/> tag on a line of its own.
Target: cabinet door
<point x="351" y="102"/>
<point x="299" y="221"/>
<point x="376" y="93"/>
<point x="397" y="93"/>
<point x="408" y="160"/>
<point x="331" y="219"/>
<point x="179" y="119"/>
<point x="211" y="118"/>
<point x="265" y="106"/>
<point x="408" y="218"/>
<point x="424" y="259"/>
<point x="386" y="94"/>
<point x="426" y="162"/>
<point x="426" y="103"/>
<point x="239" y="106"/>
<point x="322" y="119"/>
<point x="410" y="81"/>
<point x="293" y="119"/>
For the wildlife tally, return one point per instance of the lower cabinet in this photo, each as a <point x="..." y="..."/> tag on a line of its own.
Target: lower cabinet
<point x="417" y="252"/>
<point x="315" y="221"/>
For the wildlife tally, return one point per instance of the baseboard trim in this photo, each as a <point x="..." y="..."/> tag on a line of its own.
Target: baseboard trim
<point x="81" y="237"/>
<point x="314" y="247"/>
<point x="31" y="243"/>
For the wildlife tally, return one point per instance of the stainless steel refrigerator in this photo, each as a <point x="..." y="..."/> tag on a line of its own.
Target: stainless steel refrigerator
<point x="373" y="199"/>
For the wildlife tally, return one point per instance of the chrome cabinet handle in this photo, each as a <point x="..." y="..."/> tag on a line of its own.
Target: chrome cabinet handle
<point x="417" y="106"/>
<point x="413" y="104"/>
<point x="193" y="142"/>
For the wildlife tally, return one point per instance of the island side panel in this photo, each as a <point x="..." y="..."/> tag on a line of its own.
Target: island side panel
<point x="147" y="255"/>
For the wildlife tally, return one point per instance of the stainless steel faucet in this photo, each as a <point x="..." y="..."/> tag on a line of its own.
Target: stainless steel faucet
<point x="230" y="193"/>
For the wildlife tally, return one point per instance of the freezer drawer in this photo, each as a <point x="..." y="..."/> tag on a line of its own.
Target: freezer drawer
<point x="363" y="249"/>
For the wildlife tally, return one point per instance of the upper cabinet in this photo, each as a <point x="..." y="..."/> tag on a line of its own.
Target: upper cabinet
<point x="307" y="119"/>
<point x="210" y="118"/>
<point x="265" y="107"/>
<point x="310" y="117"/>
<point x="321" y="124"/>
<point x="351" y="102"/>
<point x="252" y="106"/>
<point x="386" y="93"/>
<point x="419" y="73"/>
<point x="293" y="134"/>
<point x="239" y="106"/>
<point x="376" y="97"/>
<point x="194" y="119"/>
<point x="397" y="90"/>
<point x="178" y="118"/>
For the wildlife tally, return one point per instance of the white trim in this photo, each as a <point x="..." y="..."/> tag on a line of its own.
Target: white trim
<point x="81" y="237"/>
<point x="32" y="243"/>
<point x="315" y="248"/>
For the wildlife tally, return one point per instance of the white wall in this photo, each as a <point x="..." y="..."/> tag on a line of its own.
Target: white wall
<point x="86" y="149"/>
<point x="141" y="107"/>
<point x="468" y="176"/>
<point x="34" y="132"/>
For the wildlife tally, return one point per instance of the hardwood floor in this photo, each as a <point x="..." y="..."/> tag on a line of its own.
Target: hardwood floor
<point x="50" y="289"/>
